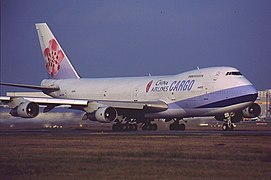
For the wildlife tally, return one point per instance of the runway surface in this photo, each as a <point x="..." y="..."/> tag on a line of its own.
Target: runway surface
<point x="154" y="133"/>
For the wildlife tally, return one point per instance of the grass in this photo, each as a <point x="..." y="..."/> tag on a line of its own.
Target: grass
<point x="61" y="156"/>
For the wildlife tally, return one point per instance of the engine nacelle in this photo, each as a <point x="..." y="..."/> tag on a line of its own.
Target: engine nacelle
<point x="252" y="111"/>
<point x="103" y="115"/>
<point x="106" y="114"/>
<point x="26" y="110"/>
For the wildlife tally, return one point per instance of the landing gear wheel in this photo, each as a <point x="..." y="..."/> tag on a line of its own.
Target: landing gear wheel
<point x="149" y="126"/>
<point x="144" y="127"/>
<point x="176" y="126"/>
<point x="172" y="127"/>
<point x="125" y="124"/>
<point x="133" y="127"/>
<point x="154" y="127"/>
<point x="126" y="127"/>
<point x="182" y="127"/>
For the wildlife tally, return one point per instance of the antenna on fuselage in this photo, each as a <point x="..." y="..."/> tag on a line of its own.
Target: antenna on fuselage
<point x="198" y="67"/>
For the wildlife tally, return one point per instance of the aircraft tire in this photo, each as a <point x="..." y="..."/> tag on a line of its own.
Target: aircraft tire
<point x="182" y="127"/>
<point x="149" y="127"/>
<point x="177" y="127"/>
<point x="171" y="127"/>
<point x="135" y="127"/>
<point x="132" y="127"/>
<point x="144" y="127"/>
<point x="124" y="127"/>
<point x="154" y="127"/>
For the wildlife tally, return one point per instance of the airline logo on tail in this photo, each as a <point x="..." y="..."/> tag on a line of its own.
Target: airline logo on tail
<point x="57" y="63"/>
<point x="53" y="57"/>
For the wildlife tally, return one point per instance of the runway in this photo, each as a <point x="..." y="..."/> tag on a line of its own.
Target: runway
<point x="87" y="132"/>
<point x="241" y="129"/>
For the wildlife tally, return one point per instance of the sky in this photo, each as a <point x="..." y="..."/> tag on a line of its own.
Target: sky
<point x="118" y="38"/>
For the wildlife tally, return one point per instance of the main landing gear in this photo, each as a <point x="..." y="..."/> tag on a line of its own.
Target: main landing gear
<point x="129" y="125"/>
<point x="124" y="127"/>
<point x="177" y="126"/>
<point x="149" y="126"/>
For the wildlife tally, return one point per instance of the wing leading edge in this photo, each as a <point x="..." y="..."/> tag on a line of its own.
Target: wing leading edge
<point x="88" y="105"/>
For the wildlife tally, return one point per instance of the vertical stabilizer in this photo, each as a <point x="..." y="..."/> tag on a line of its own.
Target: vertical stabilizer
<point x="57" y="63"/>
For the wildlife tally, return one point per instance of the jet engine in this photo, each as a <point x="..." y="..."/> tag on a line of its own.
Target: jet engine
<point x="252" y="111"/>
<point x="103" y="115"/>
<point x="26" y="110"/>
<point x="106" y="114"/>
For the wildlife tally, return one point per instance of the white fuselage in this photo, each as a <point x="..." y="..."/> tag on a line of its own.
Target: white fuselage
<point x="202" y="92"/>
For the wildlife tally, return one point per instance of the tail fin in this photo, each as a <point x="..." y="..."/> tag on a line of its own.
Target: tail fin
<point x="57" y="63"/>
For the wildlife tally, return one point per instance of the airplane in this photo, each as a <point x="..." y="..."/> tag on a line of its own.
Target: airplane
<point x="126" y="102"/>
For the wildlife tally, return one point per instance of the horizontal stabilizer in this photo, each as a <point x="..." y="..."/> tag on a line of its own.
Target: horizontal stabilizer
<point x="31" y="86"/>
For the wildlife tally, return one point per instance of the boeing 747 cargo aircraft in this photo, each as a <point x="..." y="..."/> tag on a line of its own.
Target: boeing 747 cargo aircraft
<point x="125" y="102"/>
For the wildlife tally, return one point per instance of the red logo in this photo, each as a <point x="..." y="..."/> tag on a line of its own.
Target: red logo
<point x="149" y="86"/>
<point x="53" y="56"/>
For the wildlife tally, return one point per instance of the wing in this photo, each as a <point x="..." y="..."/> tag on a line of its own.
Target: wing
<point x="146" y="106"/>
<point x="19" y="104"/>
<point x="49" y="103"/>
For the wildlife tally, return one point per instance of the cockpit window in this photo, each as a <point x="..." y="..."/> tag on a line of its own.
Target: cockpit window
<point x="234" y="73"/>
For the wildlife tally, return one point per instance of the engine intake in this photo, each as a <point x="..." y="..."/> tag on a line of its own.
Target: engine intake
<point x="252" y="111"/>
<point x="103" y="114"/>
<point x="106" y="114"/>
<point x="26" y="110"/>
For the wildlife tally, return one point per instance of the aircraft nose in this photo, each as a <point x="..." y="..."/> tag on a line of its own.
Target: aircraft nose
<point x="250" y="92"/>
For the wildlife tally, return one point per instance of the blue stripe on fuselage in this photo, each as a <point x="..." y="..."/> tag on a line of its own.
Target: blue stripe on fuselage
<point x="231" y="101"/>
<point x="221" y="98"/>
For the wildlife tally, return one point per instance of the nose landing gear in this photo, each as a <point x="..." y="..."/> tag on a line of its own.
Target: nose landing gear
<point x="228" y="126"/>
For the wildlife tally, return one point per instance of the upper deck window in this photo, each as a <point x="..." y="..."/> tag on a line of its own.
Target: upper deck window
<point x="195" y="76"/>
<point x="234" y="73"/>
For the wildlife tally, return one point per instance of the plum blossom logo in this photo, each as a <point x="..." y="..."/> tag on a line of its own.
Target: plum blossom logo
<point x="149" y="86"/>
<point x="53" y="56"/>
